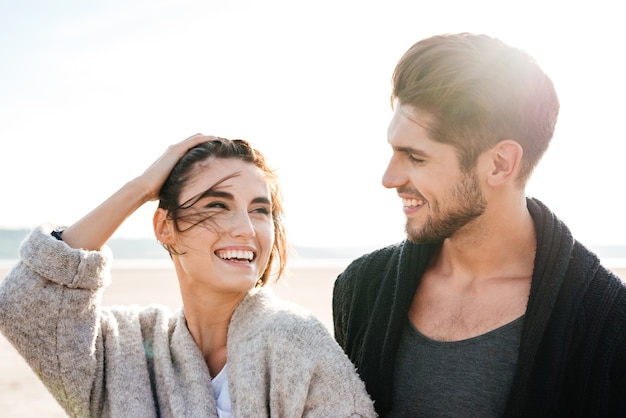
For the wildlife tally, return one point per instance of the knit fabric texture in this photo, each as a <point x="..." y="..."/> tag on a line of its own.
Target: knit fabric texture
<point x="137" y="361"/>
<point x="572" y="356"/>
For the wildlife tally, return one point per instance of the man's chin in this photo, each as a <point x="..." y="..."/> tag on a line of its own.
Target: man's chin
<point x="422" y="240"/>
<point x="419" y="237"/>
<point x="426" y="234"/>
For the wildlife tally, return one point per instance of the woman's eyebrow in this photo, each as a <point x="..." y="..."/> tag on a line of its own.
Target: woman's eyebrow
<point x="262" y="199"/>
<point x="218" y="193"/>
<point x="229" y="196"/>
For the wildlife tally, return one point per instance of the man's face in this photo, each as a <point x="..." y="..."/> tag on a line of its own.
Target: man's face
<point x="438" y="198"/>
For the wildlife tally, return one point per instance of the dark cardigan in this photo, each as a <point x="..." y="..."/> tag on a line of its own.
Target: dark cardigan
<point x="572" y="358"/>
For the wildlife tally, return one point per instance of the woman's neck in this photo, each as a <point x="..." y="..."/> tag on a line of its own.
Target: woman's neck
<point x="208" y="320"/>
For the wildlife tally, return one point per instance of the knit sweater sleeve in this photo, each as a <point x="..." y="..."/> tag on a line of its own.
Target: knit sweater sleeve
<point x="49" y="310"/>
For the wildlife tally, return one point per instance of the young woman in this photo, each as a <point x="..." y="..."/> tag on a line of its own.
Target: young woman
<point x="234" y="349"/>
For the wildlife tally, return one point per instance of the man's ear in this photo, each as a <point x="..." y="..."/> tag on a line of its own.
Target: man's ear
<point x="162" y="227"/>
<point x="505" y="160"/>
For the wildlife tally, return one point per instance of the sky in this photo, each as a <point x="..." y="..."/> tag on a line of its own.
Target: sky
<point x="92" y="92"/>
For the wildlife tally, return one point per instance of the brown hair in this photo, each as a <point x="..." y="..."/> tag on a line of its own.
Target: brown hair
<point x="479" y="92"/>
<point x="169" y="194"/>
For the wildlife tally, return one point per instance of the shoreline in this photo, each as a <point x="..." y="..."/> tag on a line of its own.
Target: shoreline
<point x="614" y="264"/>
<point x="166" y="263"/>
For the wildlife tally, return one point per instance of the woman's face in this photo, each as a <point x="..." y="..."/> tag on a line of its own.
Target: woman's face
<point x="229" y="250"/>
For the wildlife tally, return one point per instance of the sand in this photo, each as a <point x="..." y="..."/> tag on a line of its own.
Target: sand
<point x="22" y="395"/>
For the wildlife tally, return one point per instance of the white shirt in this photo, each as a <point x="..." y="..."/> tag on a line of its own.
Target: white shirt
<point x="221" y="393"/>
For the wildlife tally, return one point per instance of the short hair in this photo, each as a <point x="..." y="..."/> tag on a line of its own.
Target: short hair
<point x="223" y="148"/>
<point x="479" y="91"/>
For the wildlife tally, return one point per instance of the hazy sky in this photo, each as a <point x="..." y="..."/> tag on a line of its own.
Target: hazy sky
<point x="92" y="92"/>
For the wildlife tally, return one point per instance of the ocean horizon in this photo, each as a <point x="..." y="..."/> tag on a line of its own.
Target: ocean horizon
<point x="293" y="262"/>
<point x="165" y="263"/>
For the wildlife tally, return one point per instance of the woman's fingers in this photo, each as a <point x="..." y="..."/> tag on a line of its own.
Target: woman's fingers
<point x="157" y="173"/>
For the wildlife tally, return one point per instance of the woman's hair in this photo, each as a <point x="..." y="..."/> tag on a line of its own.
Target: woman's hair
<point x="222" y="148"/>
<point x="479" y="91"/>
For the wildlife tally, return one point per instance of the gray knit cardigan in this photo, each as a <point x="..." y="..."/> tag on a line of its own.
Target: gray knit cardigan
<point x="143" y="362"/>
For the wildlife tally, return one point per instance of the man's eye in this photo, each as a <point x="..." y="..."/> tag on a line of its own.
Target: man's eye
<point x="415" y="159"/>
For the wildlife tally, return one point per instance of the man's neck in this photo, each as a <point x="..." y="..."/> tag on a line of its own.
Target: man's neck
<point x="501" y="243"/>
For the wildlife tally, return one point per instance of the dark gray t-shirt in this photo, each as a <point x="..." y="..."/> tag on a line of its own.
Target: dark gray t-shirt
<point x="468" y="378"/>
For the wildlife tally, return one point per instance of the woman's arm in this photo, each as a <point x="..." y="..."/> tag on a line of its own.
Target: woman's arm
<point x="48" y="311"/>
<point x="50" y="301"/>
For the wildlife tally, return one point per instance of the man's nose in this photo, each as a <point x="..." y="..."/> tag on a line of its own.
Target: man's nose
<point x="393" y="177"/>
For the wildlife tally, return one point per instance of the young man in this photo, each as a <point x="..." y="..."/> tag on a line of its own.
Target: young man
<point x="490" y="307"/>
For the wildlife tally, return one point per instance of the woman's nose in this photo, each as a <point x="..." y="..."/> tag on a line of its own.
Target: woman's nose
<point x="241" y="225"/>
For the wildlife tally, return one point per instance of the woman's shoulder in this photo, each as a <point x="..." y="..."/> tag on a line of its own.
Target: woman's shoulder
<point x="267" y="307"/>
<point x="262" y="312"/>
<point x="266" y="323"/>
<point x="278" y="340"/>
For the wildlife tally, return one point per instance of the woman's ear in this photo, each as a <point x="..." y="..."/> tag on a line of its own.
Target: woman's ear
<point x="506" y="158"/>
<point x="162" y="227"/>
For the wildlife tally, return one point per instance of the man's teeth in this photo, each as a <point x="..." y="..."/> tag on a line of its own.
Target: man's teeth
<point x="412" y="203"/>
<point x="236" y="254"/>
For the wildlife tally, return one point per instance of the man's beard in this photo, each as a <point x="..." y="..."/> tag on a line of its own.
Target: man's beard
<point x="466" y="203"/>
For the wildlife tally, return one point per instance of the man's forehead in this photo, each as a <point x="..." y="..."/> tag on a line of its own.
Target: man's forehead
<point x="408" y="123"/>
<point x="419" y="117"/>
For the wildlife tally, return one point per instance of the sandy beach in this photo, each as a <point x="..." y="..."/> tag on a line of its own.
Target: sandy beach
<point x="22" y="395"/>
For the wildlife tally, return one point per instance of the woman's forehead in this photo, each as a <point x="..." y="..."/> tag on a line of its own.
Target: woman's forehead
<point x="236" y="175"/>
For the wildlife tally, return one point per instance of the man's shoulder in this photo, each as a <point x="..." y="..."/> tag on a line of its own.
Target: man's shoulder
<point x="589" y="264"/>
<point x="600" y="288"/>
<point x="367" y="272"/>
<point x="374" y="260"/>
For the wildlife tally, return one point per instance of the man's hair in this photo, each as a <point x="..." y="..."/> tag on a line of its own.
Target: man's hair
<point x="479" y="91"/>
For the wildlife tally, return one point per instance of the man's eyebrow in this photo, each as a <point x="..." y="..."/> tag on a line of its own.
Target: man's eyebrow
<point x="412" y="151"/>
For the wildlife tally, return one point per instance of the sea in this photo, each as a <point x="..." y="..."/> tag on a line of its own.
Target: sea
<point x="165" y="263"/>
<point x="294" y="262"/>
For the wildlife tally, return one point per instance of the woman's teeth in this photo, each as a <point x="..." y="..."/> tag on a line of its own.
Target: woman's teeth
<point x="235" y="254"/>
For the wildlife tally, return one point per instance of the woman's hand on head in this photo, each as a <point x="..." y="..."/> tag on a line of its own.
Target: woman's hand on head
<point x="93" y="230"/>
<point x="154" y="177"/>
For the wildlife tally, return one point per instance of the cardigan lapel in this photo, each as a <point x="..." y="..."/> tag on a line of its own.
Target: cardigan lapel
<point x="554" y="247"/>
<point x="402" y="273"/>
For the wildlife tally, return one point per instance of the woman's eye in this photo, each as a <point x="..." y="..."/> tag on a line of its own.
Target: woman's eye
<point x="264" y="211"/>
<point x="217" y="205"/>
